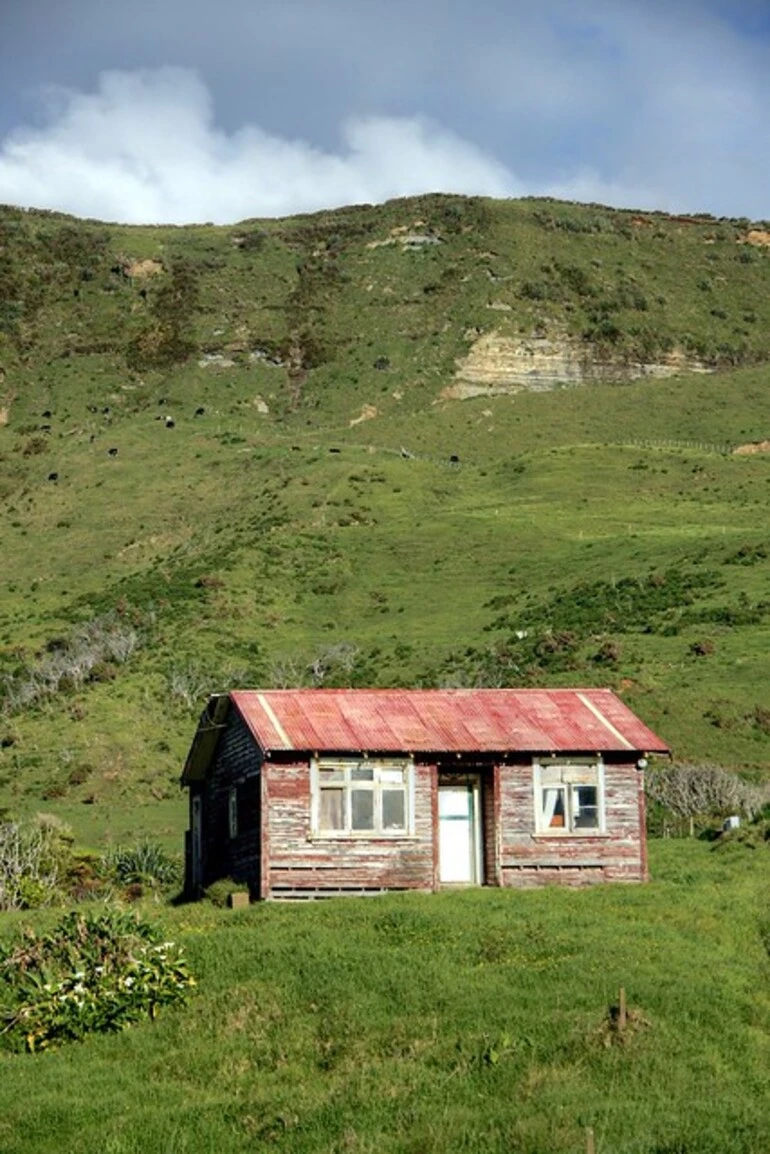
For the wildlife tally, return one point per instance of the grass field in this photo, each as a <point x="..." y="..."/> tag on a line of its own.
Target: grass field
<point x="473" y="1021"/>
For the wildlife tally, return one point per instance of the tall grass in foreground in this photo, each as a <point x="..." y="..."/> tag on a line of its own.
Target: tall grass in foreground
<point x="458" y="1022"/>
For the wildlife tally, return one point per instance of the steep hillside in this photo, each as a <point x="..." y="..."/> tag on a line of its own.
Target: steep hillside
<point x="442" y="441"/>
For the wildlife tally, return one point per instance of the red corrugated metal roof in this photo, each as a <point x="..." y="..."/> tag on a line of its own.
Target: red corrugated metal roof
<point x="444" y="720"/>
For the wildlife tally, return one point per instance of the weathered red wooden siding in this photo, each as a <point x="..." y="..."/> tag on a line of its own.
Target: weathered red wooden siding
<point x="434" y="823"/>
<point x="537" y="859"/>
<point x="298" y="862"/>
<point x="643" y="862"/>
<point x="489" y="818"/>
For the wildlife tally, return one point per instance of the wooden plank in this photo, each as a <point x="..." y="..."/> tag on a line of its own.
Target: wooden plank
<point x="644" y="866"/>
<point x="498" y="831"/>
<point x="264" y="836"/>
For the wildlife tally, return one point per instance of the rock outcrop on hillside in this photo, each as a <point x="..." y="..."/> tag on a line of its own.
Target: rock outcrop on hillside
<point x="498" y="364"/>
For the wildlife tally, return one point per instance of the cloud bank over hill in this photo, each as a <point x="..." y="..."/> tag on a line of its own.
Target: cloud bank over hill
<point x="144" y="148"/>
<point x="291" y="105"/>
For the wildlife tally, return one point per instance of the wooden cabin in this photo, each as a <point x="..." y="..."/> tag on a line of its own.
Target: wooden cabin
<point x="314" y="792"/>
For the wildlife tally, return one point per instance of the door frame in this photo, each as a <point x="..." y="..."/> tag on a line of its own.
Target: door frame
<point x="472" y="780"/>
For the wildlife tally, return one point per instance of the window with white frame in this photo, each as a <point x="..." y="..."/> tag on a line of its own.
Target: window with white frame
<point x="569" y="797"/>
<point x="363" y="797"/>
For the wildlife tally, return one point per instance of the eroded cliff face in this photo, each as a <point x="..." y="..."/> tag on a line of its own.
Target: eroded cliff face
<point x="498" y="364"/>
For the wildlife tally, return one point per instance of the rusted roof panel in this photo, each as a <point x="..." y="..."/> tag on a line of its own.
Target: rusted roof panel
<point x="444" y="720"/>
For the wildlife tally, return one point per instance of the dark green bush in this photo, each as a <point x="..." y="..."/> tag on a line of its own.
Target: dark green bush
<point x="145" y="863"/>
<point x="750" y="836"/>
<point x="218" y="893"/>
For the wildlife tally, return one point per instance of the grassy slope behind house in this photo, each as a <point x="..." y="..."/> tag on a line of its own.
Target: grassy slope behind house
<point x="609" y="523"/>
<point x="472" y="1021"/>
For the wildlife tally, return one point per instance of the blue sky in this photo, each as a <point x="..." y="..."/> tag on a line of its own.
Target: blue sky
<point x="184" y="110"/>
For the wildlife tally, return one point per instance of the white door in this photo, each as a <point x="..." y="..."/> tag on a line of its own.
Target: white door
<point x="459" y="829"/>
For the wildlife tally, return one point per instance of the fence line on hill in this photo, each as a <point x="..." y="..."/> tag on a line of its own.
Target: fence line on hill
<point x="702" y="446"/>
<point x="454" y="461"/>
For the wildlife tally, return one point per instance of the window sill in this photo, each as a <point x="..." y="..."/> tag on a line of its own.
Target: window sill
<point x="559" y="834"/>
<point x="363" y="835"/>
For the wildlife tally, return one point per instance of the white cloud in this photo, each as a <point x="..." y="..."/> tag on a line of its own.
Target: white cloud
<point x="144" y="148"/>
<point x="616" y="113"/>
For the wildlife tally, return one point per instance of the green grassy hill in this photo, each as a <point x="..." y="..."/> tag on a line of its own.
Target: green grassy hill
<point x="297" y="451"/>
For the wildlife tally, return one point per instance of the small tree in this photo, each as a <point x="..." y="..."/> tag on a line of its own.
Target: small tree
<point x="33" y="861"/>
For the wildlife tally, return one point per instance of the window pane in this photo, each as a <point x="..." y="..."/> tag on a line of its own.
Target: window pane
<point x="392" y="776"/>
<point x="553" y="808"/>
<point x="330" y="810"/>
<point x="362" y="773"/>
<point x="330" y="773"/>
<point x="585" y="806"/>
<point x="393" y="809"/>
<point x="362" y="808"/>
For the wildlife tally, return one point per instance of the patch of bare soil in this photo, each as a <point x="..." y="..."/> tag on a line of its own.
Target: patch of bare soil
<point x="751" y="448"/>
<point x="367" y="413"/>
<point x="759" y="237"/>
<point x="144" y="268"/>
<point x="5" y="403"/>
<point x="405" y="235"/>
<point x="620" y="1030"/>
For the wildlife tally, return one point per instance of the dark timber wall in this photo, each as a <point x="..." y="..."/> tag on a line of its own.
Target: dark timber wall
<point x="236" y="766"/>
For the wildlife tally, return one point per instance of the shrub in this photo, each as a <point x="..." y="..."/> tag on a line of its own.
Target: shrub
<point x="608" y="653"/>
<point x="702" y="648"/>
<point x="335" y="665"/>
<point x="760" y="717"/>
<point x="705" y="791"/>
<point x="752" y="835"/>
<point x="34" y="446"/>
<point x="85" y="879"/>
<point x="70" y="662"/>
<point x="96" y="972"/>
<point x="252" y="241"/>
<point x="218" y="893"/>
<point x="144" y="864"/>
<point x="188" y="685"/>
<point x="34" y="858"/>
